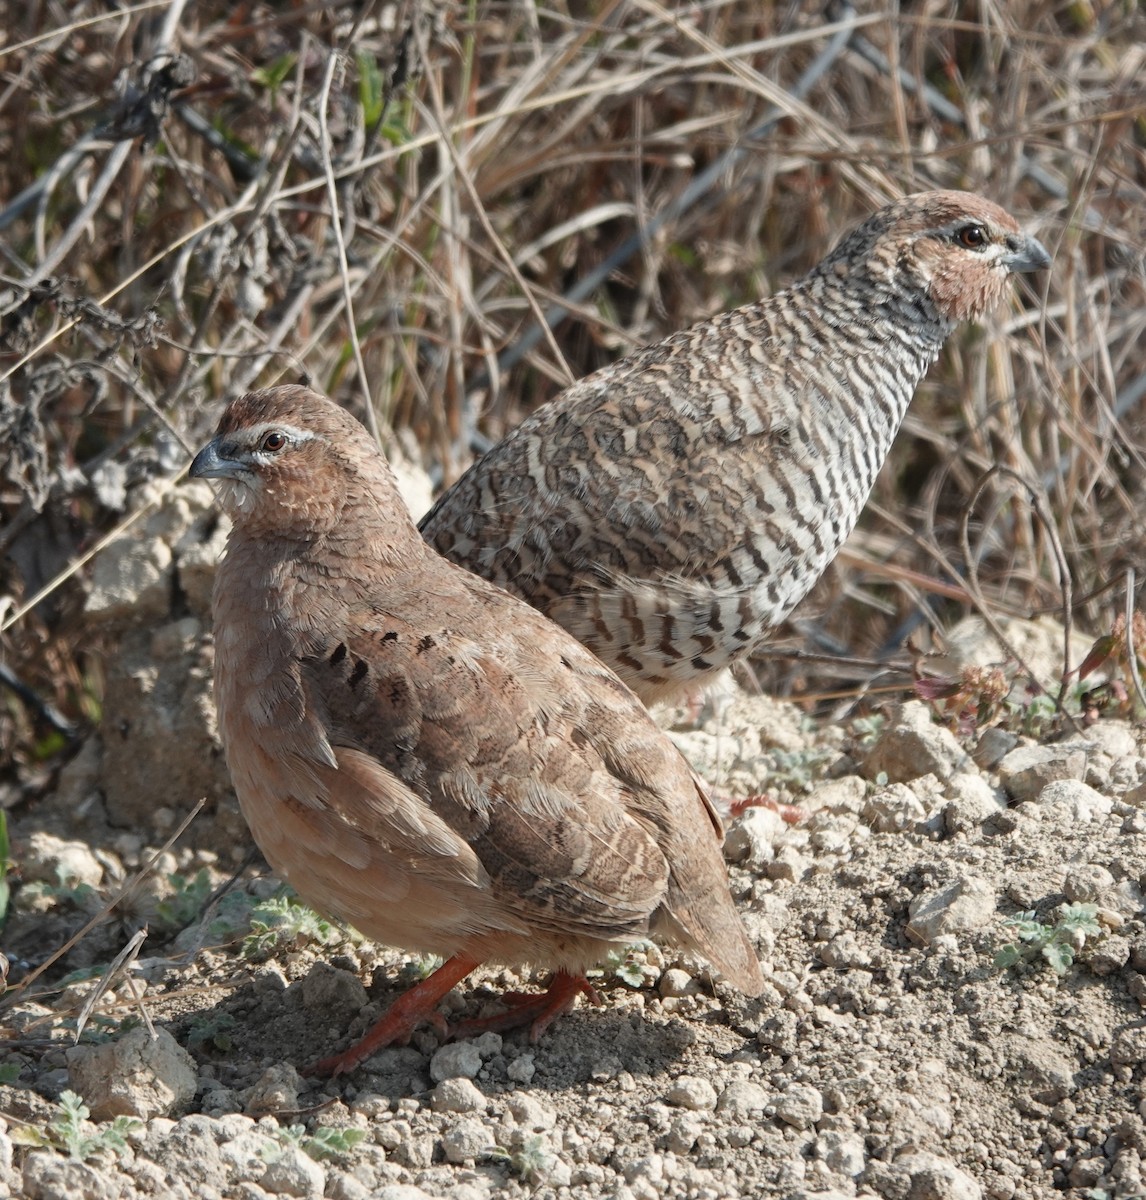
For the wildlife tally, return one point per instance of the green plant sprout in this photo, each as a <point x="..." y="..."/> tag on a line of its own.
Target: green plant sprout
<point x="284" y="922"/>
<point x="325" y="1142"/>
<point x="69" y="1132"/>
<point x="1055" y="943"/>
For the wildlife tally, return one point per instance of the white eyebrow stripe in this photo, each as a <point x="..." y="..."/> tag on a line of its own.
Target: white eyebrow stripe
<point x="257" y="432"/>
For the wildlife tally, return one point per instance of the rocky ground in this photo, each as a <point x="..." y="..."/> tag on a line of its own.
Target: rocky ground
<point x="890" y="1056"/>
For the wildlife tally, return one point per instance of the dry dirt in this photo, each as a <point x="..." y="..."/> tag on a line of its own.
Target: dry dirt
<point x="889" y="1055"/>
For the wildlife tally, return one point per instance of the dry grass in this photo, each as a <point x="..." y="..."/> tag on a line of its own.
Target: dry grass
<point x="385" y="198"/>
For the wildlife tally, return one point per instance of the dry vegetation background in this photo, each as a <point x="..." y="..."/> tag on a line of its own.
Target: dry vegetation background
<point x="384" y="198"/>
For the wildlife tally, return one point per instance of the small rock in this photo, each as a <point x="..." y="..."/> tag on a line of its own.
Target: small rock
<point x="414" y="483"/>
<point x="844" y="795"/>
<point x="130" y="581"/>
<point x="466" y="1140"/>
<point x="843" y="1153"/>
<point x="530" y="1113"/>
<point x="1086" y="883"/>
<point x="914" y="746"/>
<point x="276" y="1090"/>
<point x="1047" y="1075"/>
<point x="934" y="1178"/>
<point x="49" y="859"/>
<point x="971" y="801"/>
<point x="294" y="1173"/>
<point x="1027" y="770"/>
<point x="1107" y="955"/>
<point x="457" y="1095"/>
<point x="133" y="1076"/>
<point x="245" y="1153"/>
<point x="789" y="865"/>
<point x="456" y="1060"/>
<point x="691" y="1092"/>
<point x="967" y="904"/>
<point x="488" y="1044"/>
<point x="329" y="989"/>
<point x="844" y="951"/>
<point x="894" y="808"/>
<point x="676" y="982"/>
<point x="1113" y="738"/>
<point x="994" y="745"/>
<point x="751" y="838"/>
<point x="1081" y="802"/>
<point x="402" y="1191"/>
<point x="49" y="1176"/>
<point x="1086" y="1172"/>
<point x="686" y="1128"/>
<point x="522" y="1069"/>
<point x="742" y="1099"/>
<point x="800" y="1106"/>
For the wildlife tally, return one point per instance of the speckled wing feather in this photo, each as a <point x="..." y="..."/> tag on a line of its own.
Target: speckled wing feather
<point x="671" y="509"/>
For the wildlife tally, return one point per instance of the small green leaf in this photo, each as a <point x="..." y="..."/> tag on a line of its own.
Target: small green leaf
<point x="328" y="1142"/>
<point x="273" y="74"/>
<point x="370" y="89"/>
<point x="1008" y="956"/>
<point x="1060" y="955"/>
<point x="1080" y="918"/>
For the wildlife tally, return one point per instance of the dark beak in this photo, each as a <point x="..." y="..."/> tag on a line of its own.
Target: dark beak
<point x="1025" y="253"/>
<point x="212" y="462"/>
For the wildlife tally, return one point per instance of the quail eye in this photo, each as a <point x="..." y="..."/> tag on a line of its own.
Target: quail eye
<point x="273" y="442"/>
<point x="972" y="236"/>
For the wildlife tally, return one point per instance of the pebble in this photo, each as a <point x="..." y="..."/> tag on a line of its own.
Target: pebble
<point x="1107" y="955"/>
<point x="46" y="858"/>
<point x="521" y="1069"/>
<point x="993" y="746"/>
<point x="130" y="582"/>
<point x="677" y="982"/>
<point x="134" y="1076"/>
<point x="276" y="1090"/>
<point x="912" y="746"/>
<point x="455" y="1060"/>
<point x="531" y="1113"/>
<point x="1027" y="770"/>
<point x="691" y="1092"/>
<point x="843" y="1153"/>
<point x="49" y="1176"/>
<point x="800" y="1106"/>
<point x="459" y="1095"/>
<point x="935" y="1178"/>
<point x="967" y="904"/>
<point x="686" y="1128"/>
<point x="466" y="1140"/>
<point x="742" y="1099"/>
<point x="331" y="990"/>
<point x="1081" y="802"/>
<point x="971" y="801"/>
<point x="1086" y="883"/>
<point x="752" y="837"/>
<point x="894" y="808"/>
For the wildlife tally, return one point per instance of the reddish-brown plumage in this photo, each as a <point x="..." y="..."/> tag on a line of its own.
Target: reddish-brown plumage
<point x="425" y="756"/>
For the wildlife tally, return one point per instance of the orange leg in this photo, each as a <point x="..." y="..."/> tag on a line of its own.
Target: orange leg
<point x="400" y="1020"/>
<point x="538" y="1011"/>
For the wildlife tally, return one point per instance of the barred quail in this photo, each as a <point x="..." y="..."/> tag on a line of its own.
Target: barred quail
<point x="424" y="755"/>
<point x="671" y="509"/>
